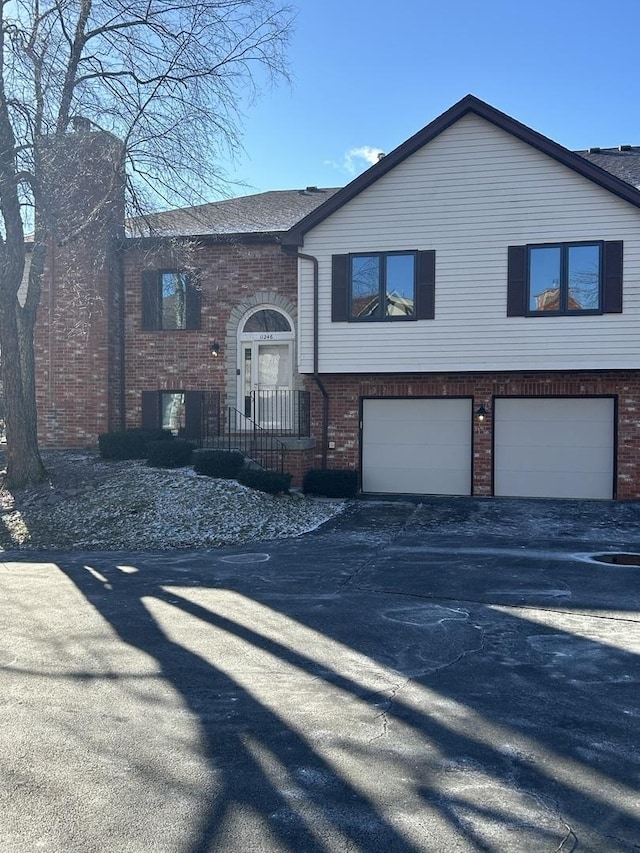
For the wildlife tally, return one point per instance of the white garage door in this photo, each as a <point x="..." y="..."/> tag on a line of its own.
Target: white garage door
<point x="554" y="447"/>
<point x="419" y="447"/>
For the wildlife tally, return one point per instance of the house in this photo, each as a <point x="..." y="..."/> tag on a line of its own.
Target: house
<point x="190" y="324"/>
<point x="460" y="319"/>
<point x="512" y="368"/>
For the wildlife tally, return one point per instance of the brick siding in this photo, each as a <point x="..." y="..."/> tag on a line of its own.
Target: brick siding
<point x="346" y="391"/>
<point x="230" y="275"/>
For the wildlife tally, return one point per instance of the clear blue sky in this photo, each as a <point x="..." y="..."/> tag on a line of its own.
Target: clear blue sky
<point x="370" y="74"/>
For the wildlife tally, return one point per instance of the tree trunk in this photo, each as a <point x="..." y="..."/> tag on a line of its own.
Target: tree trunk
<point x="26" y="316"/>
<point x="24" y="465"/>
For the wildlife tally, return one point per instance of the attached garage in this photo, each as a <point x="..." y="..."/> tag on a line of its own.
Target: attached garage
<point x="558" y="447"/>
<point x="417" y="446"/>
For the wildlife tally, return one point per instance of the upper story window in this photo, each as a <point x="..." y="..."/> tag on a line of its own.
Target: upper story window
<point x="565" y="279"/>
<point x="383" y="286"/>
<point x="173" y="294"/>
<point x="170" y="300"/>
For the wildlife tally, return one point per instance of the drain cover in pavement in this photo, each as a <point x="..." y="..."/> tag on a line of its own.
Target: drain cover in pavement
<point x="618" y="559"/>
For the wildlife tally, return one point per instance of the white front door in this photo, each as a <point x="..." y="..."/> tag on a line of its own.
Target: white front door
<point x="265" y="368"/>
<point x="267" y="374"/>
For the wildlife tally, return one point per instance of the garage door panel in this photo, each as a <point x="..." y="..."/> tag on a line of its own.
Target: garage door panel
<point x="564" y="460"/>
<point x="585" y="432"/>
<point x="387" y="432"/>
<point x="563" y="408"/>
<point x="555" y="484"/>
<point x="432" y="458"/>
<point x="411" y="481"/>
<point x="416" y="446"/>
<point x="554" y="447"/>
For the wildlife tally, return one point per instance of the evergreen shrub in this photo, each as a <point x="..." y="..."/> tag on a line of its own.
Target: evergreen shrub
<point x="219" y="463"/>
<point x="130" y="443"/>
<point x="272" y="482"/>
<point x="331" y="483"/>
<point x="175" y="453"/>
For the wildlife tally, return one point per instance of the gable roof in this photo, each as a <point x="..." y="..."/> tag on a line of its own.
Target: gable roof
<point x="262" y="213"/>
<point x="584" y="165"/>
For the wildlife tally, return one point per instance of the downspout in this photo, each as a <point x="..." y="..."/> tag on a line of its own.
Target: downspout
<point x="316" y="375"/>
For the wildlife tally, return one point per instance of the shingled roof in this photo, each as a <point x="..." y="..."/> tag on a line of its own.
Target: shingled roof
<point x="263" y="213"/>
<point x="623" y="162"/>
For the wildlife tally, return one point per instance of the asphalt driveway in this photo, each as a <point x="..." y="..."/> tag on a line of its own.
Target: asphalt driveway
<point x="457" y="675"/>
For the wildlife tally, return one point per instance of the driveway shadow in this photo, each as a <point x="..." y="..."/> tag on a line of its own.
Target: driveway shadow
<point x="364" y="689"/>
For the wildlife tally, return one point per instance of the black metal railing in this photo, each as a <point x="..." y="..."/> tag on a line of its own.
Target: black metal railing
<point x="259" y="445"/>
<point x="211" y="417"/>
<point x="268" y="417"/>
<point x="280" y="412"/>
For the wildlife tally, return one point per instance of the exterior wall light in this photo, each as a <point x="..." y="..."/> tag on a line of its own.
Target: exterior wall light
<point x="481" y="412"/>
<point x="214" y="349"/>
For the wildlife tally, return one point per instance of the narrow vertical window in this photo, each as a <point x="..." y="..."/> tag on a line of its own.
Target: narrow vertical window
<point x="583" y="278"/>
<point x="544" y="279"/>
<point x="400" y="286"/>
<point x="365" y="286"/>
<point x="174" y="300"/>
<point x="172" y="412"/>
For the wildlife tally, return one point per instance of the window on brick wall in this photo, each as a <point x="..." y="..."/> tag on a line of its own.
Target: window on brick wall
<point x="170" y="300"/>
<point x="178" y="411"/>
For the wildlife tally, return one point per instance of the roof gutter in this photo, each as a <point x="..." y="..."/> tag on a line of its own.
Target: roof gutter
<point x="294" y="253"/>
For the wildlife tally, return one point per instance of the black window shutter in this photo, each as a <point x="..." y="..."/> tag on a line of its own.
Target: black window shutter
<point x="194" y="302"/>
<point x="339" y="288"/>
<point x="193" y="414"/>
<point x="612" y="277"/>
<point x="150" y="300"/>
<point x="426" y="286"/>
<point x="517" y="281"/>
<point x="150" y="409"/>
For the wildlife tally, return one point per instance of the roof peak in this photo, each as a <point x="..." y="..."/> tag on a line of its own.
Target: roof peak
<point x="583" y="165"/>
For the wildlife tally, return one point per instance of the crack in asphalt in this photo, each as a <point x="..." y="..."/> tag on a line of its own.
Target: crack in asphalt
<point x="386" y="706"/>
<point x="628" y="844"/>
<point x="479" y="603"/>
<point x="381" y="548"/>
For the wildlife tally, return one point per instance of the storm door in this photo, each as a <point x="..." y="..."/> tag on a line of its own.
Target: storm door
<point x="266" y="369"/>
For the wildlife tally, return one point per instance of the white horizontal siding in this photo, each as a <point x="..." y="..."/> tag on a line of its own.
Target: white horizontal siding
<point x="469" y="194"/>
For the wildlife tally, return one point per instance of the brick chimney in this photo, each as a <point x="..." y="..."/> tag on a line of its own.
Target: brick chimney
<point x="80" y="324"/>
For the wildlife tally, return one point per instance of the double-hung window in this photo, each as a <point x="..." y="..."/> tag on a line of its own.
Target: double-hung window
<point x="383" y="286"/>
<point x="563" y="279"/>
<point x="170" y="300"/>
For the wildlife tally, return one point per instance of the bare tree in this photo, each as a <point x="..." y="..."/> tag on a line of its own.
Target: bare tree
<point x="167" y="79"/>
